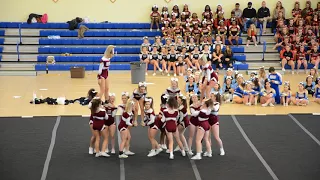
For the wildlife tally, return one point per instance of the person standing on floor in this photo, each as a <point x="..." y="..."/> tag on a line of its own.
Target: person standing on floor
<point x="275" y="81"/>
<point x="264" y="16"/>
<point x="249" y="16"/>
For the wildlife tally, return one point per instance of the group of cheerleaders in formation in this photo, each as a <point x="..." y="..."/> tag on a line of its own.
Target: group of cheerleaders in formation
<point x="171" y="121"/>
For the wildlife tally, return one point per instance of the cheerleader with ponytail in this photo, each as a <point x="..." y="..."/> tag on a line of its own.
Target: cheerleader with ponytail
<point x="183" y="121"/>
<point x="103" y="73"/>
<point x="194" y="122"/>
<point x="110" y="124"/>
<point x="286" y="94"/>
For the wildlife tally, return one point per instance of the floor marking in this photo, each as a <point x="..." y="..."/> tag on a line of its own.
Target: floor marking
<point x="304" y="129"/>
<point x="85" y="115"/>
<point x="149" y="83"/>
<point x="194" y="168"/>
<point x="26" y="116"/>
<point x="260" y="114"/>
<point x="273" y="175"/>
<point x="16" y="97"/>
<point x="316" y="114"/>
<point x="122" y="170"/>
<point x="43" y="89"/>
<point x="53" y="141"/>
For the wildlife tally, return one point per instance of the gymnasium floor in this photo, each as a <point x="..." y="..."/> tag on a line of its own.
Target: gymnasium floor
<point x="257" y="147"/>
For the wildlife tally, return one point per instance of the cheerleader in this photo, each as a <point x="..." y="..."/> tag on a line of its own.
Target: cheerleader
<point x="149" y="119"/>
<point x="173" y="90"/>
<point x="214" y="123"/>
<point x="138" y="99"/>
<point x="256" y="87"/>
<point x="195" y="56"/>
<point x="99" y="116"/>
<point x="177" y="31"/>
<point x="189" y="72"/>
<point x="216" y="89"/>
<point x="110" y="124"/>
<point x="186" y="11"/>
<point x="203" y="132"/>
<point x="187" y="33"/>
<point x="238" y="90"/>
<point x="163" y="57"/>
<point x="183" y="121"/>
<point x="227" y="91"/>
<point x="146" y="43"/>
<point x="172" y="60"/>
<point x="301" y="59"/>
<point x="315" y="56"/>
<point x="124" y="124"/>
<point x="175" y="11"/>
<point x="249" y="95"/>
<point x="92" y="139"/>
<point x="180" y="65"/>
<point x="314" y="74"/>
<point x="206" y="52"/>
<point x="158" y="43"/>
<point x="159" y="125"/>
<point x="315" y="25"/>
<point x="222" y="31"/>
<point x="296" y="12"/>
<point x="103" y="72"/>
<point x="124" y="97"/>
<point x="317" y="92"/>
<point x="229" y="74"/>
<point x="262" y="76"/>
<point x="164" y="11"/>
<point x="207" y="12"/>
<point x="186" y="57"/>
<point x="286" y="94"/>
<point x="170" y="117"/>
<point x="179" y="44"/>
<point x="194" y="20"/>
<point x="209" y="77"/>
<point x="183" y="20"/>
<point x="301" y="98"/>
<point x="196" y="32"/>
<point x="206" y="32"/>
<point x="309" y="85"/>
<point x="191" y="86"/>
<point x="154" y="58"/>
<point x="234" y="31"/>
<point x="194" y="122"/>
<point x="145" y="57"/>
<point x="155" y="17"/>
<point x="217" y="42"/>
<point x="166" y="31"/>
<point x="268" y="95"/>
<point x="275" y="81"/>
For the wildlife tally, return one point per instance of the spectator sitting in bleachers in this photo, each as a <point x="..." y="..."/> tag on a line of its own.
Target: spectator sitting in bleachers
<point x="279" y="8"/>
<point x="195" y="56"/>
<point x="262" y="76"/>
<point x="234" y="31"/>
<point x="307" y="13"/>
<point x="287" y="58"/>
<point x="296" y="12"/>
<point x="264" y="16"/>
<point x="155" y="17"/>
<point x="218" y="57"/>
<point x="249" y="16"/>
<point x="238" y="15"/>
<point x="252" y="35"/>
<point x="228" y="57"/>
<point x="207" y="11"/>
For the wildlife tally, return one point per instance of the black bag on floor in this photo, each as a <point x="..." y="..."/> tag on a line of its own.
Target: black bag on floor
<point x="32" y="15"/>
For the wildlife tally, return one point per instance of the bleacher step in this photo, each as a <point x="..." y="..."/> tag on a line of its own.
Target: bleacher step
<point x="23" y="57"/>
<point x="26" y="49"/>
<point x="18" y="73"/>
<point x="25" y="40"/>
<point x="257" y="65"/>
<point x="16" y="67"/>
<point x="24" y="32"/>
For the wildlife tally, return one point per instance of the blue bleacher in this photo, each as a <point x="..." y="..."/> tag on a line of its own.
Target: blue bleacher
<point x="310" y="66"/>
<point x="126" y="41"/>
<point x="2" y="32"/>
<point x="100" y="33"/>
<point x="1" y="40"/>
<point x="65" y="25"/>
<point x="0" y="57"/>
<point x="100" y="50"/>
<point x="1" y="49"/>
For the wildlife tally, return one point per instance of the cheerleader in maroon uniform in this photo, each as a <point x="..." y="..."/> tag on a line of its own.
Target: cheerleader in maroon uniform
<point x="124" y="97"/>
<point x="150" y="119"/>
<point x="159" y="125"/>
<point x="155" y="17"/>
<point x="170" y="117"/>
<point x="315" y="24"/>
<point x="99" y="115"/>
<point x="186" y="11"/>
<point x="103" y="73"/>
<point x="214" y="121"/>
<point x="183" y="121"/>
<point x="203" y="132"/>
<point x="301" y="59"/>
<point x="173" y="90"/>
<point x="209" y="79"/>
<point x="296" y="12"/>
<point x="196" y="32"/>
<point x="194" y="122"/>
<point x="138" y="99"/>
<point x="315" y="56"/>
<point x="207" y="12"/>
<point x="234" y="31"/>
<point x="110" y="124"/>
<point x="123" y="127"/>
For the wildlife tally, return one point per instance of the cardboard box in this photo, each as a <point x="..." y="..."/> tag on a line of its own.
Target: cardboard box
<point x="77" y="72"/>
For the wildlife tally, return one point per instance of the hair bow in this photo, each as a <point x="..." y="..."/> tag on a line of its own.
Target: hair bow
<point x="166" y="96"/>
<point x="112" y="94"/>
<point x="132" y="102"/>
<point x="254" y="72"/>
<point x="148" y="100"/>
<point x="214" y="93"/>
<point x="145" y="37"/>
<point x="229" y="69"/>
<point x="228" y="77"/>
<point x="286" y="83"/>
<point x="248" y="82"/>
<point x="240" y="75"/>
<point x="309" y="76"/>
<point x="125" y="94"/>
<point x="94" y="92"/>
<point x="236" y="72"/>
<point x="262" y="67"/>
<point x="142" y="84"/>
<point x="156" y="6"/>
<point x="174" y="79"/>
<point x="189" y="69"/>
<point x="302" y="83"/>
<point x="191" y="76"/>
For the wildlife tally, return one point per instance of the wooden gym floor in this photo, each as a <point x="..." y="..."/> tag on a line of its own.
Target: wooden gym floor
<point x="16" y="93"/>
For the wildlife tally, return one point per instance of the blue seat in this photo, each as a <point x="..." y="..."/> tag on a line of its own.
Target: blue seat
<point x="234" y="41"/>
<point x="66" y="41"/>
<point x="1" y="40"/>
<point x="52" y="50"/>
<point x="98" y="33"/>
<point x="99" y="41"/>
<point x="240" y="57"/>
<point x="65" y="50"/>
<point x="41" y="58"/>
<point x="2" y="32"/>
<point x="0" y="57"/>
<point x="310" y="66"/>
<point x="87" y="50"/>
<point x="238" y="49"/>
<point x="242" y="66"/>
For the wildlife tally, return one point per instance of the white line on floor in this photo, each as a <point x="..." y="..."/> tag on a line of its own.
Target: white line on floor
<point x="316" y="114"/>
<point x="304" y="129"/>
<point x="26" y="116"/>
<point x="85" y="115"/>
<point x="260" y="114"/>
<point x="195" y="169"/>
<point x="53" y="141"/>
<point x="273" y="175"/>
<point x="122" y="170"/>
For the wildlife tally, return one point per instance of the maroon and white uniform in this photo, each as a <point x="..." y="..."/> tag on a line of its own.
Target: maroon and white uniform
<point x="301" y="55"/>
<point x="154" y="14"/>
<point x="194" y="119"/>
<point x="172" y="92"/>
<point x="183" y="117"/>
<point x="170" y="120"/>
<point x="98" y="119"/>
<point x="194" y="21"/>
<point x="314" y="54"/>
<point x="178" y="31"/>
<point x="296" y="12"/>
<point x="104" y="68"/>
<point x="213" y="118"/>
<point x="203" y="118"/>
<point x="158" y="124"/>
<point x="196" y="32"/>
<point x="149" y="117"/>
<point x="111" y="111"/>
<point x="126" y="120"/>
<point x="91" y="120"/>
<point x="209" y="74"/>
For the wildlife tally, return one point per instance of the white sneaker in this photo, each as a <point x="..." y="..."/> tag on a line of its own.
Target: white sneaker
<point x="222" y="153"/>
<point x="113" y="151"/>
<point x="159" y="150"/>
<point x="94" y="151"/>
<point x="152" y="153"/>
<point x="171" y="156"/>
<point x="150" y="29"/>
<point x="164" y="146"/>
<point x="270" y="104"/>
<point x="123" y="156"/>
<point x="107" y="150"/>
<point x="158" y="29"/>
<point x="168" y="74"/>
<point x="129" y="153"/>
<point x="183" y="153"/>
<point x="196" y="157"/>
<point x="283" y="69"/>
<point x="176" y="149"/>
<point x="160" y="70"/>
<point x="154" y="74"/>
<point x="97" y="154"/>
<point x="104" y="154"/>
<point x="264" y="105"/>
<point x="292" y="72"/>
<point x="205" y="154"/>
<point x="190" y="153"/>
<point x="167" y="151"/>
<point x="90" y="150"/>
<point x="146" y="74"/>
<point x="175" y="75"/>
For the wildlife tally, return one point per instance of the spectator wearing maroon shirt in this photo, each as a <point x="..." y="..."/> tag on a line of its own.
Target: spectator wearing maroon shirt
<point x="307" y="13"/>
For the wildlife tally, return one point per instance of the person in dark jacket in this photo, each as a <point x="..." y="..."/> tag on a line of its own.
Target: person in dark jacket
<point x="264" y="16"/>
<point x="249" y="16"/>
